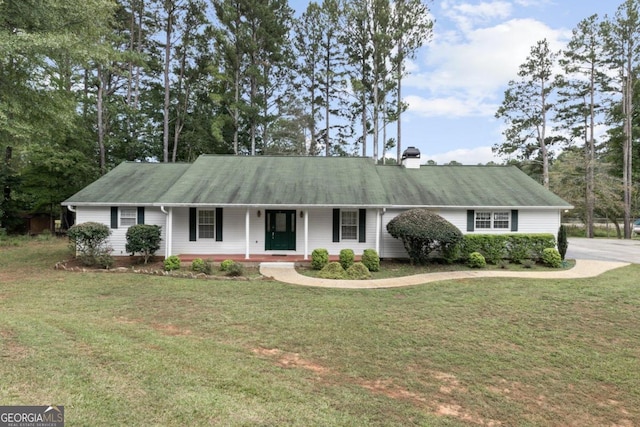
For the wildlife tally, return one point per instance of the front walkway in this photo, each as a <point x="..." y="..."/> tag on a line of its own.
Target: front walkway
<point x="285" y="272"/>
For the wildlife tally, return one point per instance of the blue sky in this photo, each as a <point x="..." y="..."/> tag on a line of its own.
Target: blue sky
<point x="457" y="81"/>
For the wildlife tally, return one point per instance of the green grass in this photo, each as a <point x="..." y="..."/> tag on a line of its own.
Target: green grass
<point x="126" y="349"/>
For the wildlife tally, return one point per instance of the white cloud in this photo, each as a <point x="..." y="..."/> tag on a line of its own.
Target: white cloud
<point x="471" y="156"/>
<point x="467" y="15"/>
<point x="472" y="68"/>
<point x="449" y="106"/>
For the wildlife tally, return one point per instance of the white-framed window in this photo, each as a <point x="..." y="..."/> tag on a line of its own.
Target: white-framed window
<point x="488" y="220"/>
<point x="349" y="225"/>
<point x="206" y="224"/>
<point x="128" y="217"/>
<point x="501" y="219"/>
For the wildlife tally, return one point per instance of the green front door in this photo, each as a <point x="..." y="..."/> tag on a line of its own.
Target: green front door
<point x="280" y="230"/>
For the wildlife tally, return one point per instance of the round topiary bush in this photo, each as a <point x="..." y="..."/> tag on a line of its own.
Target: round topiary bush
<point x="143" y="238"/>
<point x="235" y="269"/>
<point x="172" y="263"/>
<point x="422" y="232"/>
<point x="476" y="260"/>
<point x="346" y="258"/>
<point x="552" y="258"/>
<point x="371" y="260"/>
<point x="89" y="241"/>
<point x="201" y="266"/>
<point x="332" y="270"/>
<point x="224" y="265"/>
<point x="319" y="258"/>
<point x="358" y="271"/>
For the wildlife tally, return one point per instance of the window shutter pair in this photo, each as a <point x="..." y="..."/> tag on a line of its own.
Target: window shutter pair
<point x="471" y="220"/>
<point x="193" y="224"/>
<point x="362" y="225"/>
<point x="114" y="216"/>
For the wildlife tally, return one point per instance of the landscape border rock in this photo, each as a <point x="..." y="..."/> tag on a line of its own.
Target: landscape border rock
<point x="63" y="265"/>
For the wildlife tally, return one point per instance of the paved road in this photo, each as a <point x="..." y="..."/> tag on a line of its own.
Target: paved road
<point x="604" y="249"/>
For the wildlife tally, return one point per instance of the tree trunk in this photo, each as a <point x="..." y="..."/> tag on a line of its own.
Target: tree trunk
<point x="627" y="150"/>
<point x="167" y="91"/>
<point x="236" y="111"/>
<point x="399" y="99"/>
<point x="100" y="114"/>
<point x="591" y="158"/>
<point x="327" y="141"/>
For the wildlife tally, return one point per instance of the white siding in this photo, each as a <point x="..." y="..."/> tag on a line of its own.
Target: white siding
<point x="234" y="237"/>
<point x="320" y="230"/>
<point x="529" y="221"/>
<point x="118" y="238"/>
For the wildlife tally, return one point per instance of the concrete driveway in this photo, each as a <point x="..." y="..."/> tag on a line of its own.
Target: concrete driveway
<point x="604" y="249"/>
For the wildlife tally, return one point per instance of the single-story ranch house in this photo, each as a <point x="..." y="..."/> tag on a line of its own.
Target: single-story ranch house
<point x="255" y="206"/>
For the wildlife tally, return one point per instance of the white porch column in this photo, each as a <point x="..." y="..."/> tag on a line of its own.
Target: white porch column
<point x="247" y="224"/>
<point x="306" y="234"/>
<point x="168" y="230"/>
<point x="378" y="229"/>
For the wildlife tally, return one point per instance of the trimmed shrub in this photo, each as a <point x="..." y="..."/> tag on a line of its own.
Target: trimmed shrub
<point x="451" y="253"/>
<point x="172" y="263"/>
<point x="319" y="258"/>
<point x="89" y="242"/>
<point x="422" y="232"/>
<point x="143" y="238"/>
<point x="519" y="248"/>
<point x="491" y="246"/>
<point x="346" y="258"/>
<point x="358" y="271"/>
<point x="552" y="258"/>
<point x="371" y="259"/>
<point x="528" y="263"/>
<point x="540" y="243"/>
<point x="201" y="266"/>
<point x="224" y="265"/>
<point x="476" y="260"/>
<point x="332" y="270"/>
<point x="235" y="269"/>
<point x="563" y="244"/>
<point x="516" y="247"/>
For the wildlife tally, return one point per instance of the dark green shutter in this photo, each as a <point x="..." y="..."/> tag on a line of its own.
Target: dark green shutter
<point x="218" y="224"/>
<point x="336" y="225"/>
<point x="141" y="215"/>
<point x="193" y="223"/>
<point x="114" y="217"/>
<point x="362" y="226"/>
<point x="514" y="220"/>
<point x="471" y="220"/>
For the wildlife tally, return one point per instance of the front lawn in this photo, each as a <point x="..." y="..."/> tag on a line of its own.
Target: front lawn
<point x="139" y="350"/>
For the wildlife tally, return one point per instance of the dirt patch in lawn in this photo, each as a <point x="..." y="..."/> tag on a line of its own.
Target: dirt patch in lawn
<point x="439" y="404"/>
<point x="11" y="349"/>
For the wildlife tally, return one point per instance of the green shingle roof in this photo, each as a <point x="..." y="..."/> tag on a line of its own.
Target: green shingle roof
<point x="131" y="183"/>
<point x="324" y="181"/>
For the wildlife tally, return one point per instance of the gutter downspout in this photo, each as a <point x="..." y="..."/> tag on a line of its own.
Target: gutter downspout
<point x="168" y="231"/>
<point x="71" y="208"/>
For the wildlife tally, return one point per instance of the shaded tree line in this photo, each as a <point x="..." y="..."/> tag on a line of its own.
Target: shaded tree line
<point x="85" y="85"/>
<point x="572" y="117"/>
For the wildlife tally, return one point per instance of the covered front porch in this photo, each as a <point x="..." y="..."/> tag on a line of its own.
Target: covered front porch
<point x="268" y="233"/>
